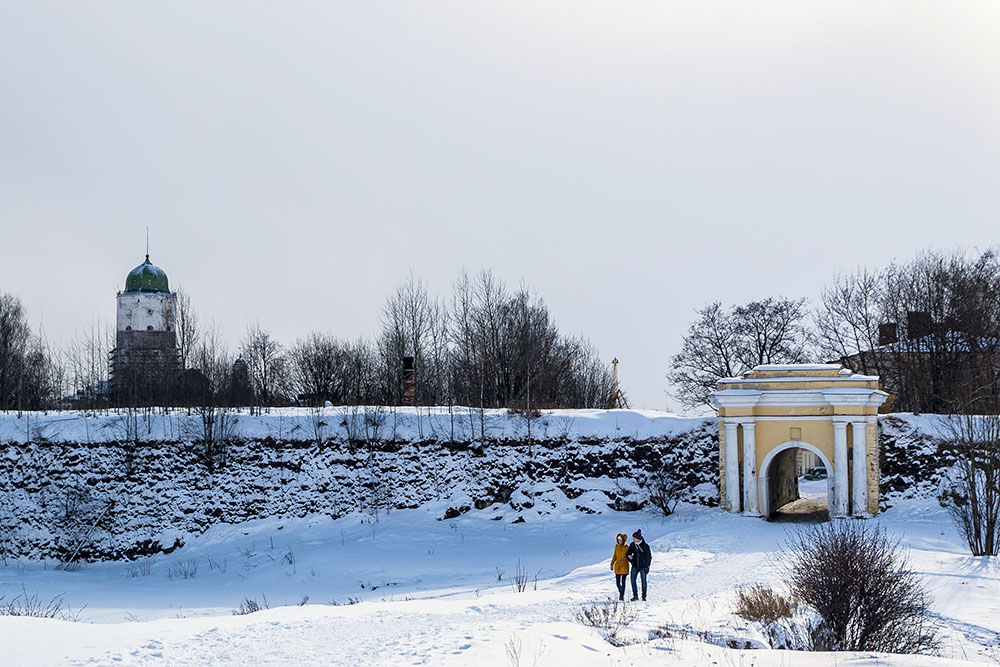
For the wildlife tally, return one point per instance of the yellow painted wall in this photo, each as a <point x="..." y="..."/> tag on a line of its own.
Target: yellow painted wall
<point x="770" y="434"/>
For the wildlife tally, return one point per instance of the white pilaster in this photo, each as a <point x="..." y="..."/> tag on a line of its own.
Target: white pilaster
<point x="840" y="492"/>
<point x="732" y="467"/>
<point x="859" y="499"/>
<point x="750" y="505"/>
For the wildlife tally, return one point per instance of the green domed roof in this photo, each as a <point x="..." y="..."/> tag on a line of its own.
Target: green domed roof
<point x="146" y="278"/>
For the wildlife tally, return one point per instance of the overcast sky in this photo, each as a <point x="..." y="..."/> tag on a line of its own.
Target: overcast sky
<point x="631" y="161"/>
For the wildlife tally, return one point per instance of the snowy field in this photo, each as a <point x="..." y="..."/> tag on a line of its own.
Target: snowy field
<point x="394" y="423"/>
<point x="432" y="592"/>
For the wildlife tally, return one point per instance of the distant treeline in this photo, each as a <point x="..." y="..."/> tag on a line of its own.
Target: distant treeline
<point x="929" y="327"/>
<point x="485" y="345"/>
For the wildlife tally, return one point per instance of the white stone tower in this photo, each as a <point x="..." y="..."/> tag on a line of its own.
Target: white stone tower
<point x="145" y="363"/>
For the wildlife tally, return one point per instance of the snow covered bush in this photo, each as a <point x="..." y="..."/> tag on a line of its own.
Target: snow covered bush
<point x="778" y="617"/>
<point x="664" y="489"/>
<point x="250" y="606"/>
<point x="185" y="569"/>
<point x="520" y="654"/>
<point x="31" y="605"/>
<point x="761" y="603"/>
<point x="610" y="618"/>
<point x="520" y="579"/>
<point x="857" y="579"/>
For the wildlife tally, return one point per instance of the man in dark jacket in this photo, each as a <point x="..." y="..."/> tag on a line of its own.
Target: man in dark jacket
<point x="640" y="556"/>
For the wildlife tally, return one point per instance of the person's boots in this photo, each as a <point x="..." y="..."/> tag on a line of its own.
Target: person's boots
<point x="634" y="598"/>
<point x="643" y="598"/>
<point x="621" y="596"/>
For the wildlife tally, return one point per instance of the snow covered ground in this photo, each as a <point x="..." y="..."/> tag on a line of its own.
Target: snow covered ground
<point x="456" y="423"/>
<point x="440" y="592"/>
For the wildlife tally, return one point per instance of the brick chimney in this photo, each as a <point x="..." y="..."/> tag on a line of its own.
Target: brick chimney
<point x="918" y="324"/>
<point x="887" y="334"/>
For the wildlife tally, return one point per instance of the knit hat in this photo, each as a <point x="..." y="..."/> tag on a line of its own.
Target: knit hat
<point x="637" y="533"/>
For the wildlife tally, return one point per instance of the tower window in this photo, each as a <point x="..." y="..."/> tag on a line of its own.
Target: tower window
<point x="128" y="328"/>
<point x="149" y="311"/>
<point x="149" y="328"/>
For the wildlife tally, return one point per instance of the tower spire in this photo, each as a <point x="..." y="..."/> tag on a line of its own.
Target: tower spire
<point x="616" y="398"/>
<point x="147" y="244"/>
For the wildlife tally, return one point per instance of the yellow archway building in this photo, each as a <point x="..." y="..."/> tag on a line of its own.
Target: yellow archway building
<point x="770" y="414"/>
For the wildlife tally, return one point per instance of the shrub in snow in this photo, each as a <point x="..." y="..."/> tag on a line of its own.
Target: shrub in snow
<point x="759" y="603"/>
<point x="610" y="618"/>
<point x="250" y="605"/>
<point x="520" y="579"/>
<point x="513" y="648"/>
<point x="350" y="601"/>
<point x="664" y="489"/>
<point x="184" y="570"/>
<point x="143" y="569"/>
<point x="31" y="605"/>
<point x="858" y="581"/>
<point x="518" y="653"/>
<point x="780" y="620"/>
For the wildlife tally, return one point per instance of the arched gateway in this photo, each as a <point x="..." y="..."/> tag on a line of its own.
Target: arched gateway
<point x="774" y="416"/>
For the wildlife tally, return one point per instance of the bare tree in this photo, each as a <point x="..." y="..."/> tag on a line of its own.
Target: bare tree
<point x="588" y="381"/>
<point x="15" y="337"/>
<point x="217" y="420"/>
<point x="468" y="363"/>
<point x="86" y="361"/>
<point x="710" y="352"/>
<point x="315" y="363"/>
<point x="323" y="368"/>
<point x="771" y="332"/>
<point x="188" y="332"/>
<point x="506" y="351"/>
<point x="414" y="324"/>
<point x="265" y="358"/>
<point x="725" y="343"/>
<point x="848" y="319"/>
<point x="29" y="377"/>
<point x="972" y="490"/>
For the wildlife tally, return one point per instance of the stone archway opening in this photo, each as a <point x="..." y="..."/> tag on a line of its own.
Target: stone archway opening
<point x="795" y="493"/>
<point x="785" y="492"/>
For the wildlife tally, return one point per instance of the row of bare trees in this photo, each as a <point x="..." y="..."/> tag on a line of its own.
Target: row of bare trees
<point x="488" y="346"/>
<point x="929" y="327"/>
<point x="485" y="345"/>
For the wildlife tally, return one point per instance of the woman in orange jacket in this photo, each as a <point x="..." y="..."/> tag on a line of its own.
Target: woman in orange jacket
<point x="619" y="564"/>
